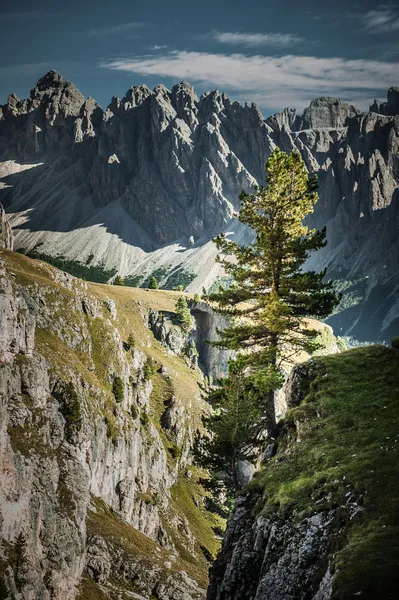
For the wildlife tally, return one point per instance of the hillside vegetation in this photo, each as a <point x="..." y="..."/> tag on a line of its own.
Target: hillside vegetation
<point x="346" y="434"/>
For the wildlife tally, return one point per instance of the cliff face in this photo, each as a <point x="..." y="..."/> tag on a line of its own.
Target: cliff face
<point x="98" y="496"/>
<point x="319" y="520"/>
<point x="6" y="235"/>
<point x="143" y="185"/>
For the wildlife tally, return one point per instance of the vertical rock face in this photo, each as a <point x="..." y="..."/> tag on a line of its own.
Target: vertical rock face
<point x="86" y="475"/>
<point x="6" y="235"/>
<point x="145" y="184"/>
<point x="306" y="527"/>
<point x="325" y="113"/>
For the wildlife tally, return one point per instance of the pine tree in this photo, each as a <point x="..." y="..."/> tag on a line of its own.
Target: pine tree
<point x="234" y="424"/>
<point x="118" y="280"/>
<point x="131" y="342"/>
<point x="183" y="315"/>
<point x="270" y="295"/>
<point x="20" y="560"/>
<point x="153" y="285"/>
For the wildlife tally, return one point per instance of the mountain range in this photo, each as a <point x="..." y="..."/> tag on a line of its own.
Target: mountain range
<point x="141" y="187"/>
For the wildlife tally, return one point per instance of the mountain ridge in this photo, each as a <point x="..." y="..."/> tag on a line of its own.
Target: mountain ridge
<point x="144" y="184"/>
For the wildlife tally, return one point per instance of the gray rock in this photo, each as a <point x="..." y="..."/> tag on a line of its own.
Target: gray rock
<point x="163" y="168"/>
<point x="326" y="113"/>
<point x="6" y="235"/>
<point x="391" y="107"/>
<point x="59" y="454"/>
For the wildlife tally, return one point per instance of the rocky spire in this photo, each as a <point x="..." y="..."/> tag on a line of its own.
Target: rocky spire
<point x="59" y="93"/>
<point x="391" y="107"/>
<point x="6" y="235"/>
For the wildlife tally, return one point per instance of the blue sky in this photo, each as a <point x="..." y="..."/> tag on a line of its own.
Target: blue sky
<point x="275" y="53"/>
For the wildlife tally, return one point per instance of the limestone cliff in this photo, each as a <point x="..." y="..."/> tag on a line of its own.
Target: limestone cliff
<point x="320" y="520"/>
<point x="6" y="235"/>
<point x="98" y="496"/>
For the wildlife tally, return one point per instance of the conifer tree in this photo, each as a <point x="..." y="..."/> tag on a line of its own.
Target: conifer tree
<point x="118" y="280"/>
<point x="234" y="423"/>
<point x="153" y="285"/>
<point x="271" y="295"/>
<point x="20" y="559"/>
<point x="131" y="342"/>
<point x="183" y="315"/>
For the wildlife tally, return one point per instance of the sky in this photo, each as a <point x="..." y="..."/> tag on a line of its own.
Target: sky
<point x="275" y="53"/>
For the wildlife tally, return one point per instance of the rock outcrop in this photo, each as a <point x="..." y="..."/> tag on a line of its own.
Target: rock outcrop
<point x="88" y="458"/>
<point x="315" y="522"/>
<point x="6" y="235"/>
<point x="143" y="185"/>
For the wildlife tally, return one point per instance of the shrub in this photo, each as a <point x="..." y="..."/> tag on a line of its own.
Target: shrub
<point x="175" y="451"/>
<point x="118" y="388"/>
<point x="112" y="429"/>
<point x="134" y="412"/>
<point x="70" y="407"/>
<point x="395" y="342"/>
<point x="118" y="280"/>
<point x="197" y="298"/>
<point x="144" y="417"/>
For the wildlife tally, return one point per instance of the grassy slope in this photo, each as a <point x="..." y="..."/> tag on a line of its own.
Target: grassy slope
<point x="132" y="304"/>
<point x="349" y="440"/>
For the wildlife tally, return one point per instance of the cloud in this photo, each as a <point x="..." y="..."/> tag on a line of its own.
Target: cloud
<point x="383" y="19"/>
<point x="120" y="28"/>
<point x="257" y="39"/>
<point x="157" y="47"/>
<point x="270" y="81"/>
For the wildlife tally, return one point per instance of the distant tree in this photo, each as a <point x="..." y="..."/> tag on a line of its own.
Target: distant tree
<point x="183" y="315"/>
<point x="271" y="294"/>
<point x="118" y="388"/>
<point x="20" y="559"/>
<point x="131" y="342"/>
<point x="149" y="368"/>
<point x="153" y="285"/>
<point x="118" y="280"/>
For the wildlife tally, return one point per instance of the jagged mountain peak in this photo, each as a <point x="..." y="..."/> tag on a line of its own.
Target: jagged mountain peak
<point x="164" y="167"/>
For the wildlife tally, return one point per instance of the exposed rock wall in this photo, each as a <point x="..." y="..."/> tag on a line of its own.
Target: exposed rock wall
<point x="194" y="343"/>
<point x="6" y="235"/>
<point x="69" y="449"/>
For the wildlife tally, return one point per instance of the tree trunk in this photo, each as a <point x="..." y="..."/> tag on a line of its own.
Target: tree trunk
<point x="270" y="413"/>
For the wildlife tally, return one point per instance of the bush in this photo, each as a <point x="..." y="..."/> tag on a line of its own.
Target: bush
<point x="197" y="298"/>
<point x="118" y="388"/>
<point x="134" y="412"/>
<point x="144" y="417"/>
<point x="70" y="408"/>
<point x="175" y="451"/>
<point x="118" y="280"/>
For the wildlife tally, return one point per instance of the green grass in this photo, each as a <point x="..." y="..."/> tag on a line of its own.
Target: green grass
<point x="119" y="535"/>
<point x="90" y="590"/>
<point x="187" y="495"/>
<point x="349" y="440"/>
